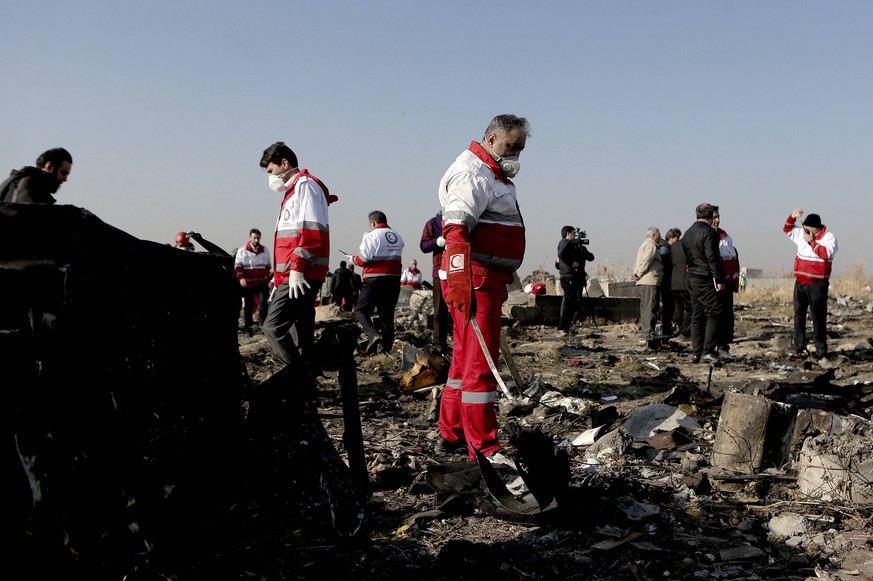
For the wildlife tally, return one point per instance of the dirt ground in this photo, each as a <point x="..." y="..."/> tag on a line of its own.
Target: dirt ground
<point x="644" y="511"/>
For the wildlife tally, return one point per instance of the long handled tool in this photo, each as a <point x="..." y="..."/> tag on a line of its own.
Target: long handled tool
<point x="490" y="361"/>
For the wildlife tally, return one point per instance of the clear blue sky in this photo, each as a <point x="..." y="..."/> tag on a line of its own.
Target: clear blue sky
<point x="639" y="111"/>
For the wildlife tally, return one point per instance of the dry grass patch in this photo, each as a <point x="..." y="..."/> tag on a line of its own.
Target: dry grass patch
<point x="549" y="356"/>
<point x="629" y="364"/>
<point x="855" y="284"/>
<point x="381" y="362"/>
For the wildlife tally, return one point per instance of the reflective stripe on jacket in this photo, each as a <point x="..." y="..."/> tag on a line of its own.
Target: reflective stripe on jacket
<point x="302" y="238"/>
<point x="480" y="207"/>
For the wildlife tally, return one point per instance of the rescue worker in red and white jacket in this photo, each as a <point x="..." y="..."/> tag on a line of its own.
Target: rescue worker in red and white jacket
<point x="730" y="262"/>
<point x="484" y="240"/>
<point x="380" y="256"/>
<point x="252" y="267"/>
<point x="300" y="253"/>
<point x="412" y="276"/>
<point x="816" y="247"/>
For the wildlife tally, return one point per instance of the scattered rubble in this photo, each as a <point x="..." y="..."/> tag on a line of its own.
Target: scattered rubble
<point x="158" y="457"/>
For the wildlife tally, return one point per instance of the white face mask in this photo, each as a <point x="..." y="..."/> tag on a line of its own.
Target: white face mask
<point x="510" y="165"/>
<point x="277" y="182"/>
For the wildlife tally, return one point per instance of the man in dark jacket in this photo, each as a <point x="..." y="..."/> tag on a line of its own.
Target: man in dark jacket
<point x="705" y="281"/>
<point x="668" y="300"/>
<point x="35" y="185"/>
<point x="342" y="287"/>
<point x="679" y="286"/>
<point x="572" y="255"/>
<point x="432" y="241"/>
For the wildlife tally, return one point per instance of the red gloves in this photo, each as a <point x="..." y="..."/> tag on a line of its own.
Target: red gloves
<point x="460" y="279"/>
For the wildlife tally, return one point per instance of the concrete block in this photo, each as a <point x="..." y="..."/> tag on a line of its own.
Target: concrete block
<point x="621" y="289"/>
<point x="837" y="466"/>
<point x="546" y="310"/>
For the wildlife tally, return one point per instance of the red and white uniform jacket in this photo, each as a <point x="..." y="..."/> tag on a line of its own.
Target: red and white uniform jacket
<point x="411" y="277"/>
<point x="252" y="265"/>
<point x="814" y="260"/>
<point x="480" y="208"/>
<point x="380" y="252"/>
<point x="730" y="260"/>
<point x="302" y="239"/>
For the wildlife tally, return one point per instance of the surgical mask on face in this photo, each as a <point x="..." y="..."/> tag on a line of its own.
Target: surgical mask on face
<point x="277" y="182"/>
<point x="510" y="165"/>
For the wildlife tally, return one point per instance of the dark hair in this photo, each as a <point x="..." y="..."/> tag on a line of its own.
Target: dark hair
<point x="503" y="124"/>
<point x="673" y="233"/>
<point x="704" y="210"/>
<point x="276" y="153"/>
<point x="55" y="156"/>
<point x="566" y="230"/>
<point x="378" y="217"/>
<point x="342" y="263"/>
<point x="254" y="231"/>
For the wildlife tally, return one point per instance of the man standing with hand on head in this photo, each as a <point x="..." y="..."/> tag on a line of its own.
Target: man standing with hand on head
<point x="816" y="247"/>
<point x="300" y="254"/>
<point x="485" y="240"/>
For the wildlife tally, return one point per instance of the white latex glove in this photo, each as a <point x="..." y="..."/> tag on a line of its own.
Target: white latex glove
<point x="272" y="292"/>
<point x="297" y="285"/>
<point x="441" y="242"/>
<point x="350" y="258"/>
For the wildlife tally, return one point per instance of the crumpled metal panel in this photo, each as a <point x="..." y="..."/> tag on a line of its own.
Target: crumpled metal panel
<point x="127" y="444"/>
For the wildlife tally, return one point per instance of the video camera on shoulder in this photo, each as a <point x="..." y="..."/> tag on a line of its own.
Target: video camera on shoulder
<point x="580" y="237"/>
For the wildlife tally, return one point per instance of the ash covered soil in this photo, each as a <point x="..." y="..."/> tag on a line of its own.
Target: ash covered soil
<point x="644" y="512"/>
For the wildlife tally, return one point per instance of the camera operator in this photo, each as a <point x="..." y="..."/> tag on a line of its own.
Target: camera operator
<point x="572" y="254"/>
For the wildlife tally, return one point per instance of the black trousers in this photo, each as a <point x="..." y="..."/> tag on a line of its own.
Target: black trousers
<point x="290" y="323"/>
<point x="682" y="312"/>
<point x="812" y="297"/>
<point x="668" y="307"/>
<point x="441" y="319"/>
<point x="344" y="298"/>
<point x="726" y="322"/>
<point x="255" y="297"/>
<point x="705" y="314"/>
<point x="379" y="296"/>
<point x="573" y="292"/>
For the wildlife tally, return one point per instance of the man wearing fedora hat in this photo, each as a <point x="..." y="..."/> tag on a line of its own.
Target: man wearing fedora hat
<point x="816" y="247"/>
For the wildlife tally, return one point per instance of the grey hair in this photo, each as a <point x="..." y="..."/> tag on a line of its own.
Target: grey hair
<point x="652" y="230"/>
<point x="503" y="124"/>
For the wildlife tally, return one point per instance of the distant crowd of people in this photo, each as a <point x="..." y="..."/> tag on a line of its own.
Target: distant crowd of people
<point x="689" y="282"/>
<point x="477" y="240"/>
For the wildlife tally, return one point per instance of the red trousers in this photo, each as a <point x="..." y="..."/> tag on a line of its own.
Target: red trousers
<point x="467" y="405"/>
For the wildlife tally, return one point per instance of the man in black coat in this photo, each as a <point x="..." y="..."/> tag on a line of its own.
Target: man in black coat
<point x="35" y="185"/>
<point x="342" y="287"/>
<point x="705" y="282"/>
<point x="679" y="286"/>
